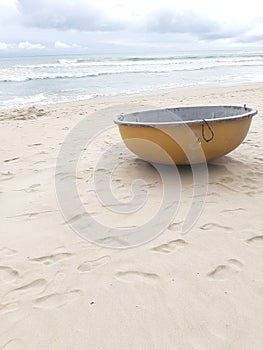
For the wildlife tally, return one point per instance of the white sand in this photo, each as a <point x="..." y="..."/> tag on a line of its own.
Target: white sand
<point x="202" y="290"/>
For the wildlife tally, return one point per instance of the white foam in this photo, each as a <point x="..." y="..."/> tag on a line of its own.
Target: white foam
<point x="23" y="101"/>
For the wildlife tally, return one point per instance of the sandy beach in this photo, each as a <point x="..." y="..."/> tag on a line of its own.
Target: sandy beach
<point x="197" y="291"/>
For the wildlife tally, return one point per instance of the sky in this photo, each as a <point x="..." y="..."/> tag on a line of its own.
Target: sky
<point x="131" y="26"/>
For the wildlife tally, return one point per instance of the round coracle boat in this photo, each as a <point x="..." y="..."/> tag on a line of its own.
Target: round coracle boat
<point x="185" y="135"/>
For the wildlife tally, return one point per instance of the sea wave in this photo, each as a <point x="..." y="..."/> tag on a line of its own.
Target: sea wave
<point x="44" y="99"/>
<point x="23" y="101"/>
<point x="31" y="75"/>
<point x="142" y="61"/>
<point x="26" y="81"/>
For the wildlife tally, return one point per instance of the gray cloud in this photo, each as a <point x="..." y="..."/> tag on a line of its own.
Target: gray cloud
<point x="194" y="24"/>
<point x="65" y="15"/>
<point x="82" y="25"/>
<point x="80" y="15"/>
<point x="168" y="21"/>
<point x="246" y="39"/>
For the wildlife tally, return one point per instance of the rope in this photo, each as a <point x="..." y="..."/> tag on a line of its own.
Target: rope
<point x="210" y="129"/>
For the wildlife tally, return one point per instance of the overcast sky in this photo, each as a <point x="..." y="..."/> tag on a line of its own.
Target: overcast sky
<point x="105" y="26"/>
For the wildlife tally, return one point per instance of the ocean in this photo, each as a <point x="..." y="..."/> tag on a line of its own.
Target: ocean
<point x="26" y="81"/>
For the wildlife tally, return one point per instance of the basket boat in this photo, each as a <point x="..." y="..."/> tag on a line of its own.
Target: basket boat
<point x="185" y="135"/>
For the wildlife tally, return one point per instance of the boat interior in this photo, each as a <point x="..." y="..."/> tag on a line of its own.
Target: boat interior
<point x="184" y="114"/>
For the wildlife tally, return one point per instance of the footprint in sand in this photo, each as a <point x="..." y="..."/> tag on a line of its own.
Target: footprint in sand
<point x="51" y="259"/>
<point x="212" y="225"/>
<point x="8" y="274"/>
<point x="89" y="265"/>
<point x="34" y="287"/>
<point x="137" y="276"/>
<point x="7" y="251"/>
<point x="75" y="217"/>
<point x="35" y="144"/>
<point x="5" y="308"/>
<point x="14" y="344"/>
<point x="57" y="299"/>
<point x="256" y="240"/>
<point x="30" y="189"/>
<point x="170" y="246"/>
<point x="227" y="180"/>
<point x="232" y="211"/>
<point x="175" y="226"/>
<point x="11" y="159"/>
<point x="7" y="176"/>
<point x="223" y="272"/>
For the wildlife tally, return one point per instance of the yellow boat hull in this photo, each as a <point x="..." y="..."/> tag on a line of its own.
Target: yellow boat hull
<point x="185" y="144"/>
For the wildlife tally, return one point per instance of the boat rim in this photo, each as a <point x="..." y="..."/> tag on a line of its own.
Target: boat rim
<point x="119" y="120"/>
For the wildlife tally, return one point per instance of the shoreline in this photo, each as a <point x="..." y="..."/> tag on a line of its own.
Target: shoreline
<point x="107" y="99"/>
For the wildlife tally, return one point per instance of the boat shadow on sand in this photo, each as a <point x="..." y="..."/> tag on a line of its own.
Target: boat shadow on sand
<point x="227" y="173"/>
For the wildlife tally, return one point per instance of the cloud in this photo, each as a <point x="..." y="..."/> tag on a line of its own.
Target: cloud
<point x="65" y="15"/>
<point x="86" y="25"/>
<point x="200" y="26"/>
<point x="3" y="46"/>
<point x="255" y="34"/>
<point x="8" y="12"/>
<point x="84" y="16"/>
<point x="62" y="45"/>
<point x="29" y="46"/>
<point x="172" y="21"/>
<point x="24" y="45"/>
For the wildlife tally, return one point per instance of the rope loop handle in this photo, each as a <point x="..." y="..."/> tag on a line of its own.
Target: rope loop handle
<point x="210" y="129"/>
